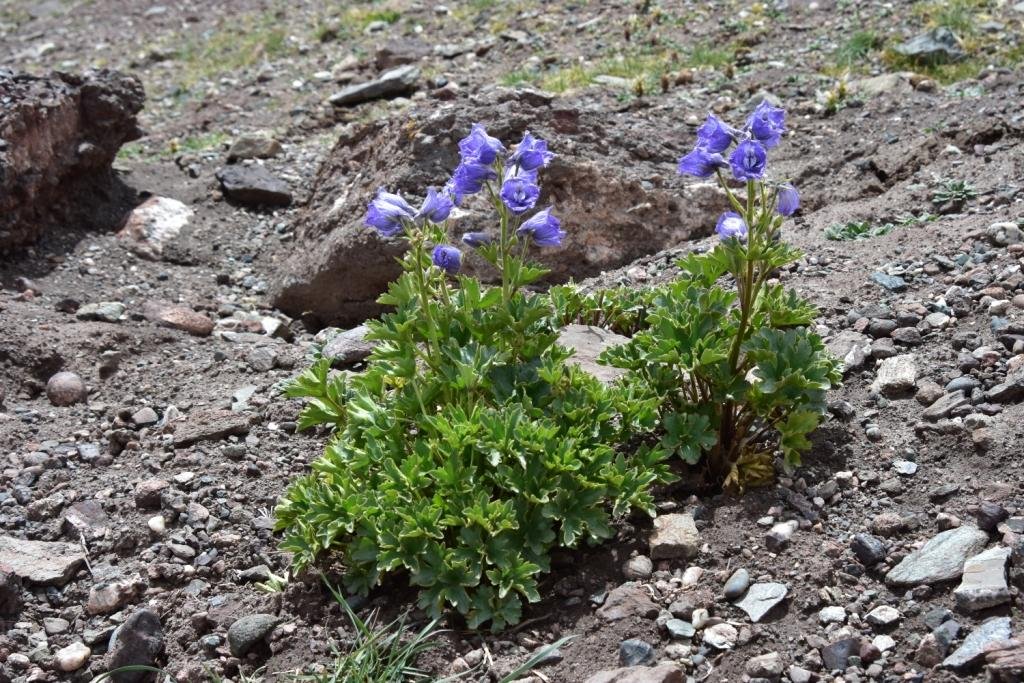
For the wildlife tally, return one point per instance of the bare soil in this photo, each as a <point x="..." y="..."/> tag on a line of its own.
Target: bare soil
<point x="216" y="71"/>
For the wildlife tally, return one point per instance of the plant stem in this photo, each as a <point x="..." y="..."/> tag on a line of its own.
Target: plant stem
<point x="417" y="246"/>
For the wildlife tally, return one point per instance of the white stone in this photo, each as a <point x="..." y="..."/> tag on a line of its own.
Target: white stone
<point x="153" y="224"/>
<point x="833" y="614"/>
<point x="896" y="375"/>
<point x="721" y="636"/>
<point x="883" y="616"/>
<point x="984" y="581"/>
<point x="73" y="657"/>
<point x="883" y="642"/>
<point x="692" y="576"/>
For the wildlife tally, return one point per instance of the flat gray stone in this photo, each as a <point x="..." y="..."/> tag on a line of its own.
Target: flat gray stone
<point x="104" y="311"/>
<point x="679" y="629"/>
<point x="940" y="559"/>
<point x="938" y="46"/>
<point x="973" y="647"/>
<point x="209" y="425"/>
<point x="893" y="283"/>
<point x="945" y="405"/>
<point x="984" y="581"/>
<point x="1009" y="390"/>
<point x="247" y="632"/>
<point x="587" y="344"/>
<point x="253" y="185"/>
<point x="346" y="347"/>
<point x="397" y="81"/>
<point x="40" y="562"/>
<point x="761" y="598"/>
<point x="851" y="348"/>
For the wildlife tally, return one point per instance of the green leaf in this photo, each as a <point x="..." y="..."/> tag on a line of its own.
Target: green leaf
<point x="688" y="435"/>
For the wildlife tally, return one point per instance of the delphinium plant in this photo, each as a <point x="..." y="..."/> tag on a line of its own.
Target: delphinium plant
<point x="729" y="348"/>
<point x="469" y="446"/>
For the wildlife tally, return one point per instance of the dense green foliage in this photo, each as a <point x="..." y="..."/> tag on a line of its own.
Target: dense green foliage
<point x="469" y="447"/>
<point x="740" y="371"/>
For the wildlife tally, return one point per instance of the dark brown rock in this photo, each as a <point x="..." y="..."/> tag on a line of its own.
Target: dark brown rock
<point x="148" y="493"/>
<point x="139" y="641"/>
<point x="611" y="213"/>
<point x="11" y="599"/>
<point x="253" y="186"/>
<point x="628" y="600"/>
<point x="59" y="137"/>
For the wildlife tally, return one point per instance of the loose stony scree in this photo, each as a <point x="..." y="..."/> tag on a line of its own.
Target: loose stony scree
<point x="646" y="341"/>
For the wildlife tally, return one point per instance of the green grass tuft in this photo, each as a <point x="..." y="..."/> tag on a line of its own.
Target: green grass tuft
<point x="855" y="50"/>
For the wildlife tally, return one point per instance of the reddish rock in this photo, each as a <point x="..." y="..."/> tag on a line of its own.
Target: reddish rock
<point x="628" y="600"/>
<point x="65" y="389"/>
<point x="148" y="493"/>
<point x="180" y="318"/>
<point x="62" y="133"/>
<point x="109" y="597"/>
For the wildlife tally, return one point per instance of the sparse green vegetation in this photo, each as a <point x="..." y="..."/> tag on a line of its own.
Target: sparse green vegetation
<point x="855" y="50"/>
<point x="960" y="16"/>
<point x="379" y="653"/>
<point x="197" y="143"/>
<point x="950" y="190"/>
<point x="862" y="230"/>
<point x="643" y="71"/>
<point x="351" y="20"/>
<point x="228" y="49"/>
<point x="131" y="151"/>
<point x="963" y="17"/>
<point x="857" y="230"/>
<point x="705" y="54"/>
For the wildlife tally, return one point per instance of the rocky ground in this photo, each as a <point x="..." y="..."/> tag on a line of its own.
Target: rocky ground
<point x="146" y="441"/>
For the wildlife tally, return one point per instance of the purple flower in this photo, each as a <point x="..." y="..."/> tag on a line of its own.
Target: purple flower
<point x="714" y="135"/>
<point x="447" y="258"/>
<point x="478" y="147"/>
<point x="477" y="239"/>
<point x="544" y="228"/>
<point x="789" y="200"/>
<point x="469" y="179"/>
<point x="748" y="160"/>
<point x="731" y="225"/>
<point x="519" y="192"/>
<point x="436" y="206"/>
<point x="531" y="153"/>
<point x="386" y="213"/>
<point x="767" y="124"/>
<point x="700" y="163"/>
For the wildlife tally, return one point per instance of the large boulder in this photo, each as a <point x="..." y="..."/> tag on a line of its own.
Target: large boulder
<point x="616" y="193"/>
<point x="58" y="138"/>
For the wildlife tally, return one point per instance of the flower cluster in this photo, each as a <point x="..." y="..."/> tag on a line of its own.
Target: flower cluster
<point x="748" y="161"/>
<point x="483" y="160"/>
